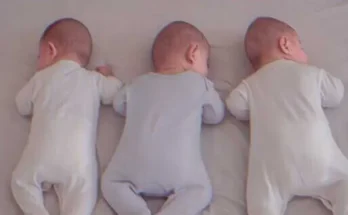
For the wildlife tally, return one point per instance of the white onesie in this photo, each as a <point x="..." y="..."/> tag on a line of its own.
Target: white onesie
<point x="159" y="153"/>
<point x="64" y="101"/>
<point x="292" y="151"/>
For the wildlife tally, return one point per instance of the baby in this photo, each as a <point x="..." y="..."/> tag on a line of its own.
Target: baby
<point x="159" y="153"/>
<point x="292" y="151"/>
<point x="63" y="99"/>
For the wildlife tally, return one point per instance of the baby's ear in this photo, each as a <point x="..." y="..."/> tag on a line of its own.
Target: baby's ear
<point x="52" y="50"/>
<point x="284" y="44"/>
<point x="191" y="53"/>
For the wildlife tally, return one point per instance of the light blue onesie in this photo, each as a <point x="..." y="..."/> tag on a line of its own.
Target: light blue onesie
<point x="159" y="153"/>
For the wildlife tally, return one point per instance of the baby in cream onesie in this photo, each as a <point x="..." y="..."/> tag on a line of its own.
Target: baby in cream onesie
<point x="292" y="151"/>
<point x="63" y="99"/>
<point x="159" y="153"/>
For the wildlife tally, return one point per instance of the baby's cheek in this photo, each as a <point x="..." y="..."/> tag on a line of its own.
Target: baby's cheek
<point x="300" y="56"/>
<point x="205" y="68"/>
<point x="304" y="57"/>
<point x="41" y="63"/>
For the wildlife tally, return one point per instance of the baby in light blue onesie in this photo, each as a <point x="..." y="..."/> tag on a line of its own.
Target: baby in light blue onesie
<point x="159" y="153"/>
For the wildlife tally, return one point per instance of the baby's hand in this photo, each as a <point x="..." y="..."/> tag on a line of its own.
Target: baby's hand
<point x="105" y="70"/>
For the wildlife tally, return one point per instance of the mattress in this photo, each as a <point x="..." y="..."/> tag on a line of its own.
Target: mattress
<point x="123" y="32"/>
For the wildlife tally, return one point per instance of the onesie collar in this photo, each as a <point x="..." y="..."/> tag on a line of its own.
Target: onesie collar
<point x="274" y="63"/>
<point x="66" y="65"/>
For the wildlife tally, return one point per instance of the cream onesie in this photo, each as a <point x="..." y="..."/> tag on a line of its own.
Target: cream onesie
<point x="64" y="101"/>
<point x="159" y="153"/>
<point x="292" y="151"/>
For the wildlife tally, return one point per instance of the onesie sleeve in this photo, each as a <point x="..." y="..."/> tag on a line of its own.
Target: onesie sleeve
<point x="24" y="99"/>
<point x="120" y="101"/>
<point x="332" y="90"/>
<point x="108" y="87"/>
<point x="237" y="102"/>
<point x="213" y="107"/>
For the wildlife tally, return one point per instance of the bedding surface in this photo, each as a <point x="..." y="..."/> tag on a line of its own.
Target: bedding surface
<point x="123" y="32"/>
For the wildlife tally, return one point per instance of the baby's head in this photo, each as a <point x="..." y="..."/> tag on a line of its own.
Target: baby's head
<point x="65" y="39"/>
<point x="180" y="47"/>
<point x="268" y="39"/>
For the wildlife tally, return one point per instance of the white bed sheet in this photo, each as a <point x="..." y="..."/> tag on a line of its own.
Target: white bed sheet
<point x="123" y="32"/>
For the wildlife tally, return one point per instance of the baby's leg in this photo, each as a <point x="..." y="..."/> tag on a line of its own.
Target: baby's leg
<point x="123" y="198"/>
<point x="77" y="195"/>
<point x="27" y="192"/>
<point x="336" y="197"/>
<point x="334" y="193"/>
<point x="340" y="200"/>
<point x="264" y="198"/>
<point x="190" y="200"/>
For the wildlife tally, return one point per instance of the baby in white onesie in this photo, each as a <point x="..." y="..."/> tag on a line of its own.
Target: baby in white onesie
<point x="63" y="99"/>
<point x="292" y="151"/>
<point x="159" y="153"/>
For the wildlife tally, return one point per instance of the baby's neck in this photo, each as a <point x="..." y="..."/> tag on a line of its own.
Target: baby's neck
<point x="170" y="70"/>
<point x="177" y="69"/>
<point x="70" y="57"/>
<point x="267" y="60"/>
<point x="63" y="57"/>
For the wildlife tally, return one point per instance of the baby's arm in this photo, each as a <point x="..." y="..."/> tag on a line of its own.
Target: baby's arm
<point x="332" y="90"/>
<point x="120" y="101"/>
<point x="108" y="85"/>
<point x="213" y="108"/>
<point x="24" y="99"/>
<point x="237" y="102"/>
